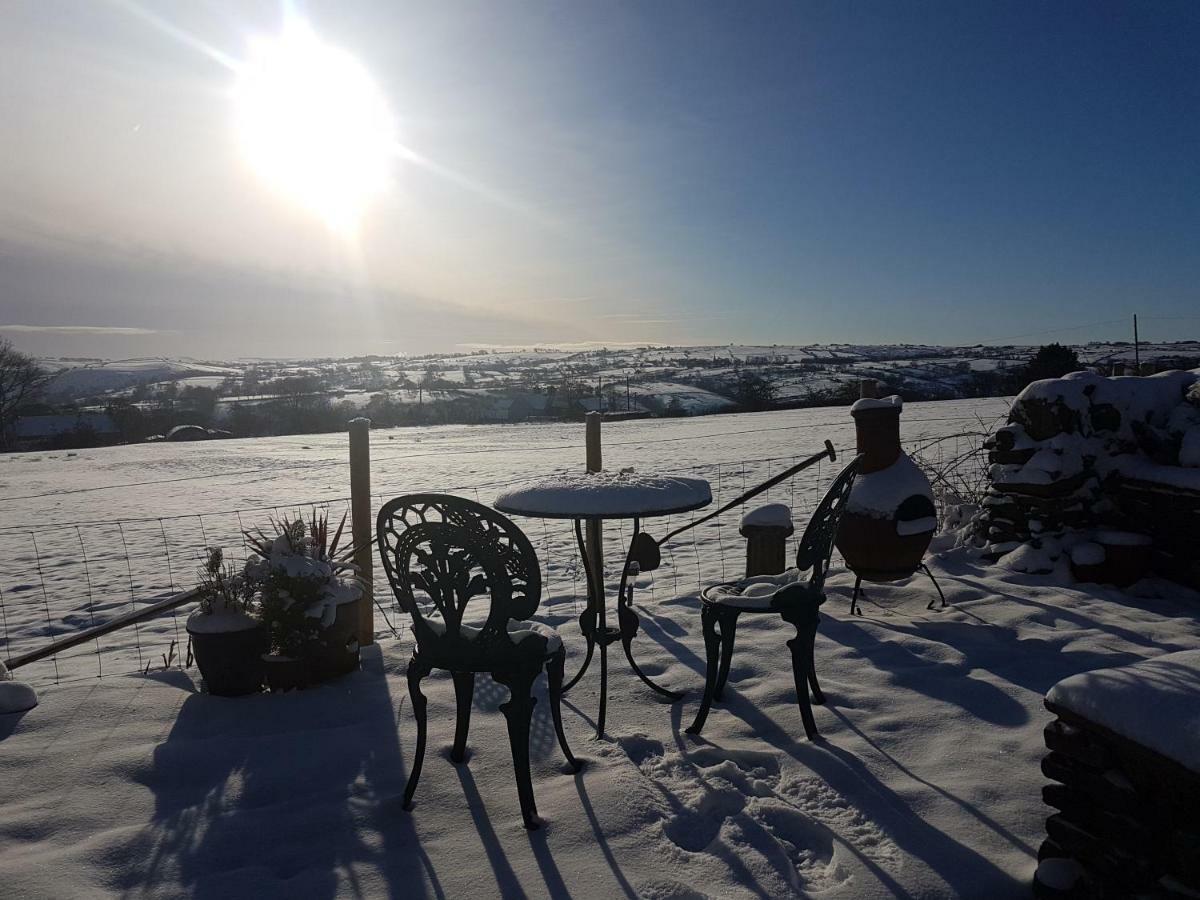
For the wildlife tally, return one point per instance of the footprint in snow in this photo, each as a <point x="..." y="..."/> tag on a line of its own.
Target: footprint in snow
<point x="736" y="806"/>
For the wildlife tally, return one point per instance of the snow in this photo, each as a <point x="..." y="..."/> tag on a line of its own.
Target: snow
<point x="879" y="494"/>
<point x="16" y="697"/>
<point x="769" y="515"/>
<point x="621" y="494"/>
<point x="517" y="629"/>
<point x="866" y="403"/>
<point x="916" y="526"/>
<point x="926" y="783"/>
<point x="1088" y="553"/>
<point x="1142" y="469"/>
<point x="1058" y="873"/>
<point x="219" y="622"/>
<point x="753" y="593"/>
<point x="1155" y="703"/>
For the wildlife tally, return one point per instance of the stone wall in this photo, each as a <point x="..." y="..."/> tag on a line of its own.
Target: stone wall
<point x="1086" y="452"/>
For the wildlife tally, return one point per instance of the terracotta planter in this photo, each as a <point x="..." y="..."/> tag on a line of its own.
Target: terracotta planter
<point x="230" y="662"/>
<point x="890" y="517"/>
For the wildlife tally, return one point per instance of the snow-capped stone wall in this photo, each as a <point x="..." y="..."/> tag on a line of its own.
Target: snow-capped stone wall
<point x="1087" y="452"/>
<point x="1124" y="767"/>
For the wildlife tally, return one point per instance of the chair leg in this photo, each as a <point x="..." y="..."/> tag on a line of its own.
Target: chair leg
<point x="554" y="675"/>
<point x="728" y="628"/>
<point x="518" y="711"/>
<point x="712" y="648"/>
<point x="464" y="694"/>
<point x="818" y="696"/>
<point x="416" y="671"/>
<point x="854" y="610"/>
<point x="802" y="666"/>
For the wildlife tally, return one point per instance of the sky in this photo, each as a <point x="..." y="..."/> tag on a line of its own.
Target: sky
<point x="620" y="172"/>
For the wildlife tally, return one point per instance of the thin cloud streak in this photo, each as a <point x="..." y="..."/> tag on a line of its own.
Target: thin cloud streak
<point x="83" y="329"/>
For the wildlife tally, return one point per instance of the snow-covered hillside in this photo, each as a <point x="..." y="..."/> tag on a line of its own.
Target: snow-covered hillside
<point x="705" y="376"/>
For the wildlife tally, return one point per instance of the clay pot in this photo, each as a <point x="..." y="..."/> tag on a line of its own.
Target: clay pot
<point x="230" y="661"/>
<point x="890" y="517"/>
<point x="335" y="652"/>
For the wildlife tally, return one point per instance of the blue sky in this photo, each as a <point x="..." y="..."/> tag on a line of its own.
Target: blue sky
<point x="649" y="172"/>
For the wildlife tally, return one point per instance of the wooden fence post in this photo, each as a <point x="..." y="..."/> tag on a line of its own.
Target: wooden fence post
<point x="595" y="532"/>
<point x="362" y="526"/>
<point x="868" y="387"/>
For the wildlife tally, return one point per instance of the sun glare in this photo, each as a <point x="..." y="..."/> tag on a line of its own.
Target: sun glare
<point x="314" y="126"/>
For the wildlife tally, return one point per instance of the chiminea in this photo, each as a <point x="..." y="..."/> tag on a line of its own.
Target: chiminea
<point x="890" y="517"/>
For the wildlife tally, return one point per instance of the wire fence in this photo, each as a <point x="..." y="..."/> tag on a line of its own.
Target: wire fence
<point x="67" y="577"/>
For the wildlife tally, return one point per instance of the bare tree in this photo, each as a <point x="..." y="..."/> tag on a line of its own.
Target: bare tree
<point x="20" y="379"/>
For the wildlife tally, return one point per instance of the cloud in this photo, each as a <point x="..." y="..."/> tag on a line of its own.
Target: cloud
<point x="82" y="329"/>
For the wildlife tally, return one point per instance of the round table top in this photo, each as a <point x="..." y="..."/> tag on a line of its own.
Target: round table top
<point x="605" y="495"/>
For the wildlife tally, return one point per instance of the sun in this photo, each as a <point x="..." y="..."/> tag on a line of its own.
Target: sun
<point x="314" y="126"/>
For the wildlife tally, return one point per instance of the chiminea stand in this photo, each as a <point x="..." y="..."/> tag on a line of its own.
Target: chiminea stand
<point x="856" y="611"/>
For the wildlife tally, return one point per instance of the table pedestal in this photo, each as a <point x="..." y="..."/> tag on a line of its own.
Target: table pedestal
<point x="596" y="630"/>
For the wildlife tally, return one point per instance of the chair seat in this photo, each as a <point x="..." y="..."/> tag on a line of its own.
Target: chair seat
<point x="518" y="630"/>
<point x="761" y="593"/>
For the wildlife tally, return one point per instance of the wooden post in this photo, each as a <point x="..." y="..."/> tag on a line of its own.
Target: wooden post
<point x="361" y="524"/>
<point x="868" y="387"/>
<point x="595" y="532"/>
<point x="766" y="548"/>
<point x="1137" y="350"/>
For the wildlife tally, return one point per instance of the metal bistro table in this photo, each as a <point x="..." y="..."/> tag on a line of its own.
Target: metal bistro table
<point x="596" y="496"/>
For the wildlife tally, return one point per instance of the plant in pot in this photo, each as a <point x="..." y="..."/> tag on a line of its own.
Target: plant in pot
<point x="309" y="593"/>
<point x="227" y="640"/>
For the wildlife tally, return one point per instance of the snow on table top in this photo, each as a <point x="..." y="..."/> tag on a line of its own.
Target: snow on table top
<point x="605" y="495"/>
<point x="1155" y="703"/>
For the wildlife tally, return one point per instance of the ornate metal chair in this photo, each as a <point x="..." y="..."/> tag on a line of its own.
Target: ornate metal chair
<point x="796" y="603"/>
<point x="440" y="552"/>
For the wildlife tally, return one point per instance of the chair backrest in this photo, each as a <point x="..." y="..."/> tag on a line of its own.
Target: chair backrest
<point x="440" y="551"/>
<point x="816" y="546"/>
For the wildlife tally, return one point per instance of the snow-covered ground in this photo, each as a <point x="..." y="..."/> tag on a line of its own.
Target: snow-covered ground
<point x="926" y="783"/>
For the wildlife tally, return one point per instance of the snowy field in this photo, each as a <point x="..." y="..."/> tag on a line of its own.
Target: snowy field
<point x="926" y="784"/>
<point x="95" y="533"/>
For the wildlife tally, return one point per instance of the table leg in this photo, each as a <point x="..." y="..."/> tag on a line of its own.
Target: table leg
<point x="587" y="619"/>
<point x="630" y="622"/>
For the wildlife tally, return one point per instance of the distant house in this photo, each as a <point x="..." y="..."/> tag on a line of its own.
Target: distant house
<point x="68" y="429"/>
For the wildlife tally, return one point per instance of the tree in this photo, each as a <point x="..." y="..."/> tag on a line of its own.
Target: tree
<point x="20" y="380"/>
<point x="201" y="400"/>
<point x="1050" y="361"/>
<point x="128" y="418"/>
<point x="753" y="391"/>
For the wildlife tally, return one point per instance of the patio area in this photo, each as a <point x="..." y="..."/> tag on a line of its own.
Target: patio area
<point x="926" y="782"/>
